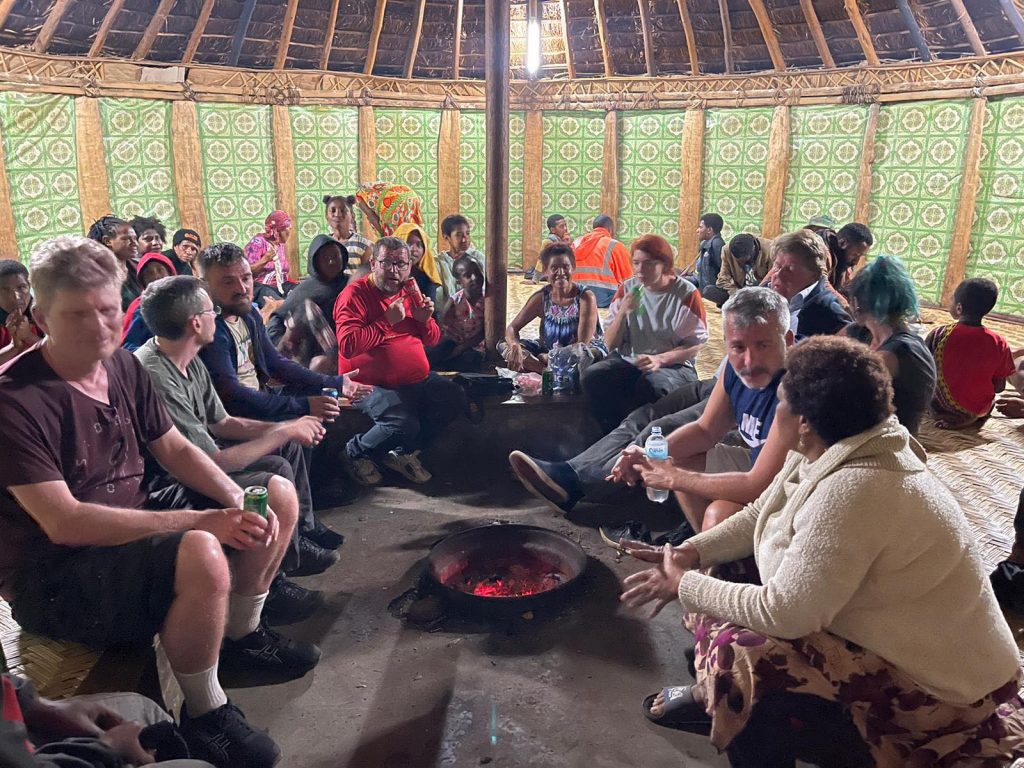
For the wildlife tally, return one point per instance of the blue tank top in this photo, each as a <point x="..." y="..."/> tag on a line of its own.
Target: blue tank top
<point x="561" y="324"/>
<point x="754" y="408"/>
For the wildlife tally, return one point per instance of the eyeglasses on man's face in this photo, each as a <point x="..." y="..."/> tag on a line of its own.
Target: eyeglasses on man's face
<point x="394" y="266"/>
<point x="215" y="311"/>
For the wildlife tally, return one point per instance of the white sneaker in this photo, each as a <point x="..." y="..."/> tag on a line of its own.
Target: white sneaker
<point x="364" y="471"/>
<point x="407" y="465"/>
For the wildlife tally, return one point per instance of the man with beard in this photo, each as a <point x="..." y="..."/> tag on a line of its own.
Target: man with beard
<point x="383" y="326"/>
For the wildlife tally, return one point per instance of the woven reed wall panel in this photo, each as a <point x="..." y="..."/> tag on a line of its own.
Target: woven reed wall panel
<point x="571" y="176"/>
<point x="735" y="166"/>
<point x="407" y="154"/>
<point x="825" y="143"/>
<point x="650" y="153"/>
<point x="139" y="159"/>
<point x="997" y="241"/>
<point x="915" y="186"/>
<point x="42" y="166"/>
<point x="472" y="182"/>
<point x="238" y="168"/>
<point x="325" y="142"/>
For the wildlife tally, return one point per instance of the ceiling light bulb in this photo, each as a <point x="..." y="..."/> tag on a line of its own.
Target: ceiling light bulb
<point x="533" y="47"/>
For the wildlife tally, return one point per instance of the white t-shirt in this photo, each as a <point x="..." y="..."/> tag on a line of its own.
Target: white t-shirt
<point x="243" y="348"/>
<point x="669" y="319"/>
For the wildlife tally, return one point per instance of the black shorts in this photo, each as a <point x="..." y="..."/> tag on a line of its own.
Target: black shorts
<point x="99" y="595"/>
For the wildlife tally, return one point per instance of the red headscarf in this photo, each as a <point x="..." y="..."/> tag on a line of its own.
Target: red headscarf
<point x="275" y="222"/>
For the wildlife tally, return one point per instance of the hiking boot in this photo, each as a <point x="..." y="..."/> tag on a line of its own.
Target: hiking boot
<point x="313" y="558"/>
<point x="264" y="650"/>
<point x="553" y="482"/>
<point x="324" y="536"/>
<point x="631" y="530"/>
<point x="288" y="603"/>
<point x="364" y="471"/>
<point x="407" y="465"/>
<point x="224" y="738"/>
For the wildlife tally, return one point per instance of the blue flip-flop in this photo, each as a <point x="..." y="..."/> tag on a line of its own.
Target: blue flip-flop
<point x="681" y="709"/>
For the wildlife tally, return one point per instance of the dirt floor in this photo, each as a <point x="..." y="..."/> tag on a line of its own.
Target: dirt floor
<point x="561" y="689"/>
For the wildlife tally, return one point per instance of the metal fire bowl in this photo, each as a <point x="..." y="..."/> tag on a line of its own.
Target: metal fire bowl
<point x="501" y="539"/>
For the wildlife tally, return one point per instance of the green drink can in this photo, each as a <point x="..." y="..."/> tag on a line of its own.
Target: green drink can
<point x="547" y="382"/>
<point x="256" y="500"/>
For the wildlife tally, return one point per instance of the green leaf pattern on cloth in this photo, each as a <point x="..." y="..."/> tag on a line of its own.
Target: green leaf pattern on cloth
<point x="650" y="172"/>
<point x="325" y="147"/>
<point x="915" y="186"/>
<point x="516" y="180"/>
<point x="997" y="242"/>
<point x="407" y="154"/>
<point x="140" y="160"/>
<point x="735" y="167"/>
<point x="571" y="172"/>
<point x="238" y="169"/>
<point x="42" y="166"/>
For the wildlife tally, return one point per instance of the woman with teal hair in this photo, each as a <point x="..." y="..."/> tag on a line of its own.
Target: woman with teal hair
<point x="884" y="303"/>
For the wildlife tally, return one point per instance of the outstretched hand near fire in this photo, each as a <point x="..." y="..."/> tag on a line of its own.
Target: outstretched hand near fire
<point x="659" y="584"/>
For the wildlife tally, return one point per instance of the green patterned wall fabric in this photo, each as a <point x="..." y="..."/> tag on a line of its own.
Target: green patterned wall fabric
<point x="407" y="154"/>
<point x="238" y="169"/>
<point x="826" y="144"/>
<point x="735" y="164"/>
<point x="325" y="144"/>
<point x="42" y="167"/>
<point x="571" y="174"/>
<point x="472" y="164"/>
<point x="650" y="152"/>
<point x="516" y="179"/>
<point x="140" y="161"/>
<point x="915" y="186"/>
<point x="997" y="241"/>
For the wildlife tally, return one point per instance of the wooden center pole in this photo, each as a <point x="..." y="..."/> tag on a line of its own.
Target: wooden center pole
<point x="496" y="71"/>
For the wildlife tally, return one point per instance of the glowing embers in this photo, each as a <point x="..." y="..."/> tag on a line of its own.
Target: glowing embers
<point x="518" y="574"/>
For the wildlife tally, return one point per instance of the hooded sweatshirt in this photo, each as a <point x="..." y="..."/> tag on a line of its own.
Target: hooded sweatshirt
<point x="129" y="313"/>
<point x="867" y="544"/>
<point x="321" y="292"/>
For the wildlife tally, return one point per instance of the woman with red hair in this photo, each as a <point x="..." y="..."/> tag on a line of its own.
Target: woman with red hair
<point x="656" y="325"/>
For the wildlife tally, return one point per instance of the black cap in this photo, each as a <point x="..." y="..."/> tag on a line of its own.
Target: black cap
<point x="187" y="234"/>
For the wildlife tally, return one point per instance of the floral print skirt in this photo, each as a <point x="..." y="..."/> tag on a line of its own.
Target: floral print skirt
<point x="901" y="723"/>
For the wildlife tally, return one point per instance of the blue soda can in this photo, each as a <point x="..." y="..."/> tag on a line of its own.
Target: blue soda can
<point x="329" y="392"/>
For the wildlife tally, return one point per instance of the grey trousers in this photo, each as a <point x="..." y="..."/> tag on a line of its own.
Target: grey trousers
<point x="681" y="406"/>
<point x="132" y="706"/>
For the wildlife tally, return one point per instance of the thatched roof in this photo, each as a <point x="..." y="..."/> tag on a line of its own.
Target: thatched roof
<point x="604" y="37"/>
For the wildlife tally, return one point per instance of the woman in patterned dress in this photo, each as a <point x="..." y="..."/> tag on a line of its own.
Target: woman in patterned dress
<point x="872" y="637"/>
<point x="387" y="206"/>
<point x="268" y="259"/>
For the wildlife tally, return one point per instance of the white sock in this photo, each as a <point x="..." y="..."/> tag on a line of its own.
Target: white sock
<point x="243" y="614"/>
<point x="202" y="691"/>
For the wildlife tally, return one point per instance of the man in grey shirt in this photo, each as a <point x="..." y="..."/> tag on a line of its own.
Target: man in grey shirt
<point x="181" y="314"/>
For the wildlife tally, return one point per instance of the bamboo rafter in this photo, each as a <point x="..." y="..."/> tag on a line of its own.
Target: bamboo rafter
<point x="863" y="35"/>
<point x="152" y="29"/>
<point x="764" y="21"/>
<point x="108" y="21"/>
<point x="6" y="6"/>
<point x="570" y="66"/>
<point x="332" y="25"/>
<point x="645" y="27"/>
<point x="602" y="33"/>
<point x="46" y="32"/>
<point x="410" y="62"/>
<point x="968" y="26"/>
<point x="691" y="39"/>
<point x="723" y="15"/>
<point x="378" y="25"/>
<point x="914" y="29"/>
<point x="1012" y="12"/>
<point x="457" y="42"/>
<point x="197" y="33"/>
<point x="286" y="34"/>
<point x="814" y="25"/>
<point x="994" y="75"/>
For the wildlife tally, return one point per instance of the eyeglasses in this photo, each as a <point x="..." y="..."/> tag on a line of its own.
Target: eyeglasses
<point x="396" y="266"/>
<point x="215" y="312"/>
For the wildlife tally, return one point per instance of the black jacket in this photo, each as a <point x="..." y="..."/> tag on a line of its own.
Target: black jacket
<point x="319" y="291"/>
<point x="822" y="314"/>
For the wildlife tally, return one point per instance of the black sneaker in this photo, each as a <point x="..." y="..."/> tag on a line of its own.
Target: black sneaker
<point x="313" y="558"/>
<point x="631" y="530"/>
<point x="676" y="536"/>
<point x="289" y="603"/>
<point x="324" y="536"/>
<point x="264" y="650"/>
<point x="224" y="738"/>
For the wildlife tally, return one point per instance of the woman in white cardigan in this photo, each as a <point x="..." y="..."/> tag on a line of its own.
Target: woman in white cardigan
<point x="873" y="605"/>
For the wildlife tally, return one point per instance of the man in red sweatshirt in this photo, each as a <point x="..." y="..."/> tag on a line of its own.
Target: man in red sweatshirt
<point x="383" y="325"/>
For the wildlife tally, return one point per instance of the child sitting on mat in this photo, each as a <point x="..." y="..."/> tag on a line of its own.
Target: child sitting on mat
<point x="462" y="322"/>
<point x="971" y="361"/>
